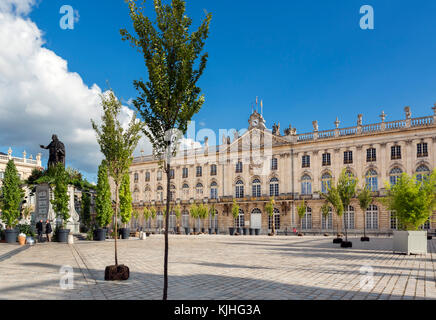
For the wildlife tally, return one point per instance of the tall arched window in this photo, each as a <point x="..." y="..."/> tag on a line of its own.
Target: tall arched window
<point x="422" y="172"/>
<point x="275" y="218"/>
<point x="136" y="195"/>
<point x="239" y="192"/>
<point x="185" y="191"/>
<point x="159" y="193"/>
<point x="256" y="188"/>
<point x="185" y="219"/>
<point x="274" y="187"/>
<point x="372" y="180"/>
<point x="159" y="220"/>
<point x="147" y="176"/>
<point x="394" y="175"/>
<point x="172" y="220"/>
<point x="327" y="222"/>
<point x="135" y="177"/>
<point x="349" y="217"/>
<point x="240" y="221"/>
<point x="306" y="184"/>
<point x="147" y="193"/>
<point x="213" y="190"/>
<point x="326" y="182"/>
<point x="372" y="217"/>
<point x="306" y="222"/>
<point x="199" y="190"/>
<point x="172" y="192"/>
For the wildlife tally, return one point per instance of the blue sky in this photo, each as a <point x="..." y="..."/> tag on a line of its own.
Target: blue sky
<point x="307" y="60"/>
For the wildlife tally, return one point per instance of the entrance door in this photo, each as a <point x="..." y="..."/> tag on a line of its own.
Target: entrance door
<point x="256" y="219"/>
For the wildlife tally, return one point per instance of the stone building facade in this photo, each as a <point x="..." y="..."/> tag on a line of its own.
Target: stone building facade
<point x="24" y="165"/>
<point x="291" y="167"/>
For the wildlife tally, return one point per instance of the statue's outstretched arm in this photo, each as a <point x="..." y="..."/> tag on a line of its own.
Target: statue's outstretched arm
<point x="43" y="146"/>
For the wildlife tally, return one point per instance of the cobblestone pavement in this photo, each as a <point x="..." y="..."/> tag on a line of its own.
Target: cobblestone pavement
<point x="221" y="267"/>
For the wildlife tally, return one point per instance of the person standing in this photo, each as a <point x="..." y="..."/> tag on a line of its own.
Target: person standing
<point x="48" y="230"/>
<point x="39" y="230"/>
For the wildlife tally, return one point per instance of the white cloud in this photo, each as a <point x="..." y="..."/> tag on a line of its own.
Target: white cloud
<point x="39" y="96"/>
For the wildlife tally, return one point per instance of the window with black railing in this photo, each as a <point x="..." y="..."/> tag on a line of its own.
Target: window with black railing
<point x="348" y="157"/>
<point x="395" y="152"/>
<point x="238" y="167"/>
<point x="305" y="160"/>
<point x="213" y="170"/>
<point x="326" y="159"/>
<point x="422" y="150"/>
<point x="184" y="172"/>
<point x="199" y="171"/>
<point x="371" y="155"/>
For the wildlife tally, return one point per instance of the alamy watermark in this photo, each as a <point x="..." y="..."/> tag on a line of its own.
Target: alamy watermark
<point x="367" y="278"/>
<point x="69" y="18"/>
<point x="367" y="20"/>
<point x="66" y="281"/>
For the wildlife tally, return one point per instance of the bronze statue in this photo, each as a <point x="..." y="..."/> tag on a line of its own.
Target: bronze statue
<point x="57" y="152"/>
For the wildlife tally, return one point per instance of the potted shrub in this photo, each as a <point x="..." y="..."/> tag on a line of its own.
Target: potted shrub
<point x="212" y="214"/>
<point x="103" y="203"/>
<point x="125" y="206"/>
<point x="365" y="200"/>
<point x="11" y="197"/>
<point x="269" y="208"/>
<point x="178" y="213"/>
<point x="194" y="212"/>
<point x="203" y="213"/>
<point x="235" y="214"/>
<point x="153" y="213"/>
<point x="60" y="201"/>
<point x="413" y="202"/>
<point x="301" y="211"/>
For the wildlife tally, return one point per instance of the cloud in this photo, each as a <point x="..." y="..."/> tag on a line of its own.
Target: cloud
<point x="39" y="96"/>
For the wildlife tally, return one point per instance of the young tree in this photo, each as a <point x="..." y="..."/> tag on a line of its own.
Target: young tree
<point x="125" y="200"/>
<point x="347" y="190"/>
<point x="170" y="97"/>
<point x="147" y="216"/>
<point x="365" y="199"/>
<point x="412" y="200"/>
<point x="269" y="208"/>
<point x="235" y="212"/>
<point x="301" y="211"/>
<point x="333" y="197"/>
<point x="325" y="210"/>
<point x="194" y="211"/>
<point x="11" y="196"/>
<point x="86" y="208"/>
<point x="117" y="145"/>
<point x="60" y="194"/>
<point x="212" y="214"/>
<point x="203" y="213"/>
<point x="178" y="213"/>
<point x="103" y="201"/>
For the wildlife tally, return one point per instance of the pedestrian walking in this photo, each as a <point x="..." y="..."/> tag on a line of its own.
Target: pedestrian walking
<point x="39" y="230"/>
<point x="48" y="230"/>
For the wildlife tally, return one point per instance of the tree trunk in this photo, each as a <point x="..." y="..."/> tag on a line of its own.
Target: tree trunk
<point x="116" y="222"/>
<point x="273" y="226"/>
<point x="165" y="289"/>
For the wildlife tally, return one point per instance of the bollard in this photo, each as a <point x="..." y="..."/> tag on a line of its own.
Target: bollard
<point x="70" y="239"/>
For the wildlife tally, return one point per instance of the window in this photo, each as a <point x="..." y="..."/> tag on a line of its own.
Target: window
<point x="306" y="185"/>
<point x="239" y="192"/>
<point x="171" y="173"/>
<point x="422" y="150"/>
<point x="327" y="222"/>
<point x="371" y="155"/>
<point x="136" y="195"/>
<point x="326" y="159"/>
<point x="394" y="220"/>
<point x="147" y="176"/>
<point x="185" y="219"/>
<point x="159" y="175"/>
<point x="274" y="164"/>
<point x="159" y="220"/>
<point x="276" y="218"/>
<point x="240" y="221"/>
<point x="422" y="172"/>
<point x="372" y="180"/>
<point x="198" y="171"/>
<point x="184" y="172"/>
<point x="199" y="189"/>
<point x="172" y="220"/>
<point x="135" y="177"/>
<point x="147" y="193"/>
<point x="394" y="175"/>
<point x="372" y="217"/>
<point x="213" y="170"/>
<point x="214" y="190"/>
<point x="213" y="221"/>
<point x="239" y="167"/>
<point x="395" y="152"/>
<point x="256" y="188"/>
<point x="159" y="193"/>
<point x="305" y="160"/>
<point x="348" y="157"/>
<point x="172" y="192"/>
<point x="306" y="222"/>
<point x="185" y="191"/>
<point x="326" y="182"/>
<point x="349" y="217"/>
<point x="274" y="187"/>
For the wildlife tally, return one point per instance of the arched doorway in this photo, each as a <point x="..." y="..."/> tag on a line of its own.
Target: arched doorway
<point x="256" y="219"/>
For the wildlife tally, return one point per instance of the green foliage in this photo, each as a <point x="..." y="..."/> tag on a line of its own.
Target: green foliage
<point x="60" y="193"/>
<point x="194" y="211"/>
<point x="103" y="201"/>
<point x="346" y="188"/>
<point x="26" y="229"/>
<point x="212" y="210"/>
<point x="334" y="198"/>
<point x="146" y="213"/>
<point x="365" y="198"/>
<point x="412" y="200"/>
<point x="11" y="195"/>
<point x="125" y="200"/>
<point x="178" y="211"/>
<point x="203" y="211"/>
<point x="86" y="208"/>
<point x="325" y="209"/>
<point x="153" y="212"/>
<point x="301" y="209"/>
<point x="269" y="207"/>
<point x="34" y="176"/>
<point x="235" y="209"/>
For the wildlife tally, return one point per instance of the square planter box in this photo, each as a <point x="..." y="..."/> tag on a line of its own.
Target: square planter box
<point x="410" y="242"/>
